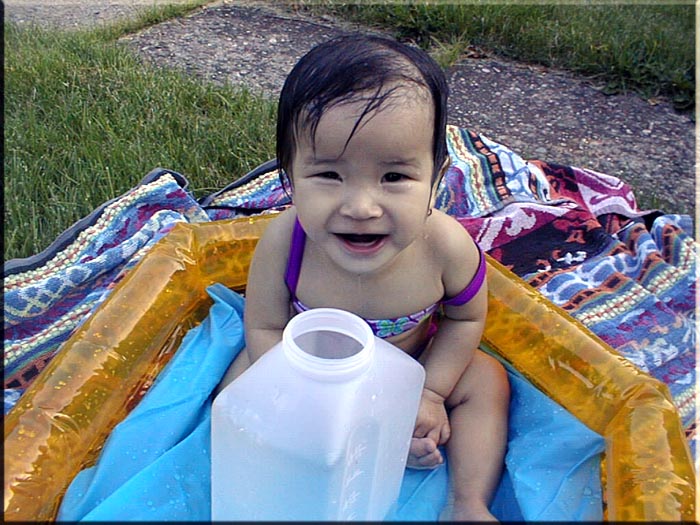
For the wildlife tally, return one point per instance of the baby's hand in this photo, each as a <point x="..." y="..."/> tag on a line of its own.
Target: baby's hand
<point x="432" y="429"/>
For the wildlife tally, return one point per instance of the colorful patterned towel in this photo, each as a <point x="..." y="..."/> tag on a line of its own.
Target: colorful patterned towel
<point x="576" y="235"/>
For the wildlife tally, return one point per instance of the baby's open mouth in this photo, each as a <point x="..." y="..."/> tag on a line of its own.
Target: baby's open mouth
<point x="364" y="238"/>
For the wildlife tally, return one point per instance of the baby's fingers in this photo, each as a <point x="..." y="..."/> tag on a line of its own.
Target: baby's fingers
<point x="439" y="434"/>
<point x="423" y="454"/>
<point x="445" y="433"/>
<point x="422" y="446"/>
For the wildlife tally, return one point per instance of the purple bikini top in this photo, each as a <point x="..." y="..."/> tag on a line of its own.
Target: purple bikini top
<point x="383" y="328"/>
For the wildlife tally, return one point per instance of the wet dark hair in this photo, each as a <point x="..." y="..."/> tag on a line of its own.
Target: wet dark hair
<point x="356" y="67"/>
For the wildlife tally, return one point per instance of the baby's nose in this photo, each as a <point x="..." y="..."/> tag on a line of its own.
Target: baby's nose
<point x="360" y="205"/>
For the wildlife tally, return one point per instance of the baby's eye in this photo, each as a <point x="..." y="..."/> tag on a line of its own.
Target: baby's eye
<point x="329" y="175"/>
<point x="394" y="177"/>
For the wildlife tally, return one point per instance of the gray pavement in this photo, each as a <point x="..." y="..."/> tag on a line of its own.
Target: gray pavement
<point x="72" y="14"/>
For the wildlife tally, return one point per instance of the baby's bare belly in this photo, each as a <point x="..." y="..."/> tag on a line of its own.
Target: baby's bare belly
<point x="414" y="341"/>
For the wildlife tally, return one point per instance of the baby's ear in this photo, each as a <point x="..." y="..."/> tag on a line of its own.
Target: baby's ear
<point x="443" y="169"/>
<point x="445" y="166"/>
<point x="286" y="182"/>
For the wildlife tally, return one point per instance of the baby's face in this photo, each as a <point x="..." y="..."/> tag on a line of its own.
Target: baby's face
<point x="364" y="201"/>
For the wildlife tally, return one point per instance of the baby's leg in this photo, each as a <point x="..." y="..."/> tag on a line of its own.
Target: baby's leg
<point x="478" y="412"/>
<point x="239" y="365"/>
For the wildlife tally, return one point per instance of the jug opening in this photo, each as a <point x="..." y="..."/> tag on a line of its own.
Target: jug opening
<point x="328" y="341"/>
<point x="328" y="344"/>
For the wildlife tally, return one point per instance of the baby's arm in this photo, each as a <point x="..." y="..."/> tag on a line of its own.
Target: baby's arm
<point x="453" y="346"/>
<point x="267" y="296"/>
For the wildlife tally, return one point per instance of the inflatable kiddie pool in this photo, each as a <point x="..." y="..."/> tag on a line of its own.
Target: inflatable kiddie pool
<point x="60" y="424"/>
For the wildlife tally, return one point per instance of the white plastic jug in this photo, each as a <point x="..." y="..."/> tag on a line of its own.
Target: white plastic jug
<point x="318" y="428"/>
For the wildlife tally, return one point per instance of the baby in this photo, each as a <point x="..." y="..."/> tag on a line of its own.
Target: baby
<point x="362" y="148"/>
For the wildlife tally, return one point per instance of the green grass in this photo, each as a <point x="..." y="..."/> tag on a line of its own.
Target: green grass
<point x="649" y="49"/>
<point x="85" y="121"/>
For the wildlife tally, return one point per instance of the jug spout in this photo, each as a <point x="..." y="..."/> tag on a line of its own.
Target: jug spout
<point x="329" y="343"/>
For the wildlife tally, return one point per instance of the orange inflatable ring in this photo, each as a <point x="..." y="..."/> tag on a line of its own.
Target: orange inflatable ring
<point x="60" y="424"/>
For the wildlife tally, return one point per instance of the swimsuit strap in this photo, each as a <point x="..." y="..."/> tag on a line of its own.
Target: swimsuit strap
<point x="474" y="285"/>
<point x="296" y="254"/>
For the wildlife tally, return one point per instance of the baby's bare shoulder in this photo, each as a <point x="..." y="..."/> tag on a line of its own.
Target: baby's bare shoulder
<point x="447" y="237"/>
<point x="455" y="252"/>
<point x="277" y="236"/>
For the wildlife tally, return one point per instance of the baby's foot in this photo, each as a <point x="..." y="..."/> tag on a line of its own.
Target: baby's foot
<point x="466" y="511"/>
<point x="424" y="454"/>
